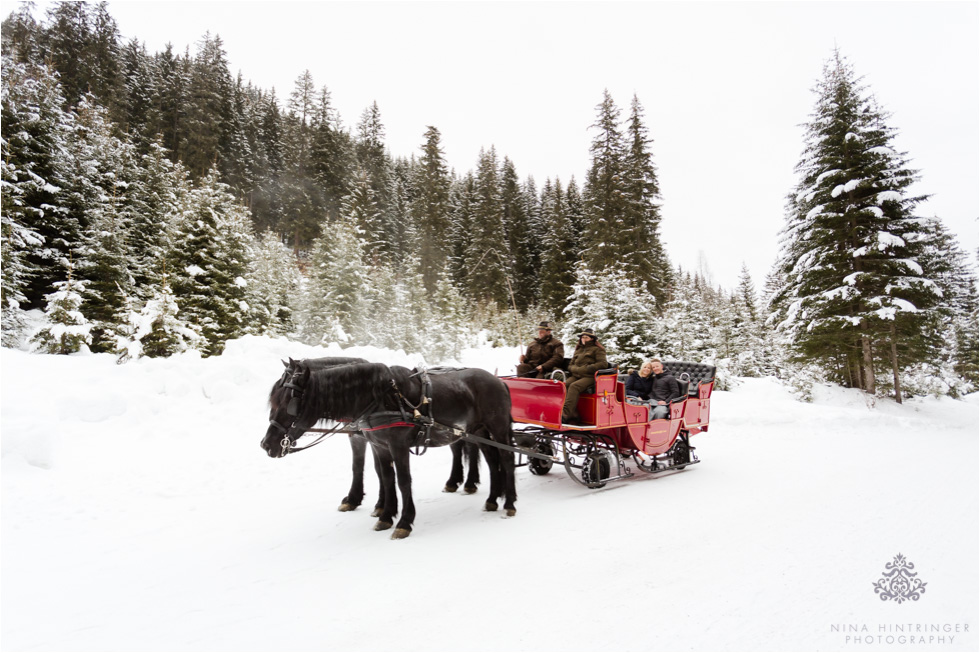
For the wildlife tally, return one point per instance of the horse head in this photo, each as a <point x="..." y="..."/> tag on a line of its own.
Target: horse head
<point x="284" y="408"/>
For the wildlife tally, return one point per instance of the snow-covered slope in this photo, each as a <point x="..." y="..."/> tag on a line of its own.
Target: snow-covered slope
<point x="139" y="513"/>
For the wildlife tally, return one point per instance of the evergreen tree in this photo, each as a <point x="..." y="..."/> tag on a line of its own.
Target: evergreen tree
<point x="273" y="287"/>
<point x="35" y="133"/>
<point x="333" y="306"/>
<point x="332" y="157"/>
<point x="105" y="175"/>
<point x="643" y="255"/>
<point x="519" y="237"/>
<point x="212" y="252"/>
<point x="557" y="261"/>
<point x="605" y="197"/>
<point x="66" y="329"/>
<point x="430" y="209"/>
<point x="857" y="293"/>
<point x="487" y="256"/>
<point x="206" y="133"/>
<point x="158" y="331"/>
<point x="66" y="43"/>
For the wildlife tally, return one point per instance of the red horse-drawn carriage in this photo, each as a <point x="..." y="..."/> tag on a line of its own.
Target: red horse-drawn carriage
<point x="615" y="427"/>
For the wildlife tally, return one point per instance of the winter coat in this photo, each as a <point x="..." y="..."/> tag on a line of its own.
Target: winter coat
<point x="664" y="387"/>
<point x="548" y="352"/>
<point x="587" y="360"/>
<point x="639" y="386"/>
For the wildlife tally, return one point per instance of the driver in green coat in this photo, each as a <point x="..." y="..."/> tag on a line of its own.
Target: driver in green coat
<point x="589" y="358"/>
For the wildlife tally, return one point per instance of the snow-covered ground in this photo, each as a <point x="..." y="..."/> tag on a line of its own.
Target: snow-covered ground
<point x="139" y="513"/>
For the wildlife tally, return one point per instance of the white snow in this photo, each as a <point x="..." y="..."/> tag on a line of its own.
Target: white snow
<point x="139" y="513"/>
<point x="194" y="270"/>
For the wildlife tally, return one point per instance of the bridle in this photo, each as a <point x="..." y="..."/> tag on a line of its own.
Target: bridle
<point x="292" y="410"/>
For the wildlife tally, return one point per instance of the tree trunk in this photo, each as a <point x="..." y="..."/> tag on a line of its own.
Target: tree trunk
<point x="867" y="362"/>
<point x="894" y="352"/>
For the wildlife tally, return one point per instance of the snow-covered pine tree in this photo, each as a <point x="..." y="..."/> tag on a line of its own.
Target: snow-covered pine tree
<point x="273" y="287"/>
<point x="35" y="132"/>
<point x="557" y="273"/>
<point x="519" y="237"/>
<point x="605" y="197"/>
<point x="621" y="314"/>
<point x="66" y="330"/>
<point x="488" y="261"/>
<point x="207" y="127"/>
<point x="158" y="331"/>
<point x="105" y="172"/>
<point x="332" y="307"/>
<point x="210" y="257"/>
<point x="462" y="199"/>
<point x="856" y="293"/>
<point x="332" y="157"/>
<point x="430" y="208"/>
<point x="643" y="254"/>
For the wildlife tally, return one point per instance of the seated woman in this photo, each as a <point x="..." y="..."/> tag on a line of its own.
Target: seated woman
<point x="640" y="384"/>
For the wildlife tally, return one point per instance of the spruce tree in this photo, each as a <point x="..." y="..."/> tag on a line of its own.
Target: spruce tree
<point x="430" y="208"/>
<point x="211" y="254"/>
<point x="35" y="134"/>
<point x="643" y="255"/>
<point x="857" y="296"/>
<point x="488" y="261"/>
<point x="557" y="272"/>
<point x="605" y="197"/>
<point x="333" y="306"/>
<point x="66" y="330"/>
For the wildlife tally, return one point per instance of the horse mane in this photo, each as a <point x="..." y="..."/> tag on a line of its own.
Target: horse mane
<point x="276" y="394"/>
<point x="344" y="391"/>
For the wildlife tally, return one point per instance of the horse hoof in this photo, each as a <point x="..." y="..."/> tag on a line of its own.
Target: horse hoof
<point x="383" y="525"/>
<point x="400" y="533"/>
<point x="490" y="507"/>
<point x="470" y="490"/>
<point x="511" y="512"/>
<point x="377" y="512"/>
<point x="450" y="488"/>
<point x="345" y="507"/>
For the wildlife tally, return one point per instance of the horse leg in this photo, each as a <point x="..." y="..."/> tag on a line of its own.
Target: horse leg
<point x="379" y="506"/>
<point x="473" y="477"/>
<point x="504" y="434"/>
<point x="492" y="456"/>
<point x="456" y="473"/>
<point x="355" y="495"/>
<point x="387" y="516"/>
<point x="510" y="485"/>
<point x="404" y="473"/>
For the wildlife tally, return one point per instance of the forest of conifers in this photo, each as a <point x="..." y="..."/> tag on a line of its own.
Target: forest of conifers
<point x="153" y="203"/>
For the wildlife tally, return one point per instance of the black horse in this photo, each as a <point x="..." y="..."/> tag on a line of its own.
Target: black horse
<point x="383" y="399"/>
<point x="281" y="394"/>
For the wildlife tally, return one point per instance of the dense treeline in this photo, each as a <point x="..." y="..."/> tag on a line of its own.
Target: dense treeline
<point x="154" y="203"/>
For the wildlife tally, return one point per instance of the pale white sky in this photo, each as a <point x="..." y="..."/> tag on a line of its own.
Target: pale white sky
<point x="725" y="86"/>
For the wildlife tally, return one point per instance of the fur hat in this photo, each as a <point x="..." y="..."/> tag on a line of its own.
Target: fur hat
<point x="545" y="325"/>
<point x="588" y="332"/>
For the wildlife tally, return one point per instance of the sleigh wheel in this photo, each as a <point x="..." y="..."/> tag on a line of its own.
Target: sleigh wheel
<point x="682" y="453"/>
<point x="596" y="468"/>
<point x="538" y="466"/>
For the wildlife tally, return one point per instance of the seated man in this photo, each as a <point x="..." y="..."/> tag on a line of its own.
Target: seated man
<point x="589" y="358"/>
<point x="543" y="355"/>
<point x="664" y="389"/>
<point x="640" y="384"/>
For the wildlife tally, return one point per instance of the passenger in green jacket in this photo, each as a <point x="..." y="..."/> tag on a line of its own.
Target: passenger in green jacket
<point x="589" y="358"/>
